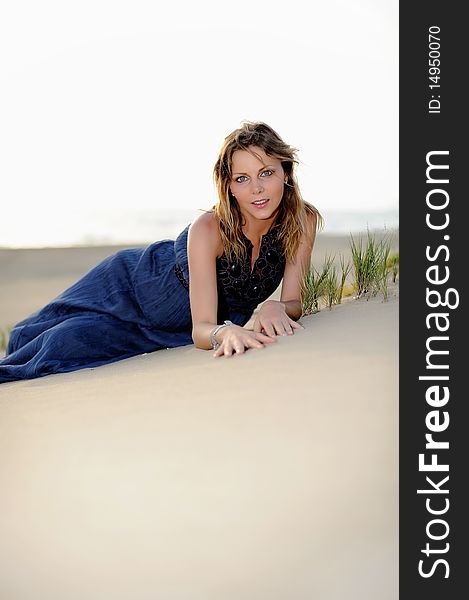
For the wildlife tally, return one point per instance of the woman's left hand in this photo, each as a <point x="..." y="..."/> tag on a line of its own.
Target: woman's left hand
<point x="273" y="320"/>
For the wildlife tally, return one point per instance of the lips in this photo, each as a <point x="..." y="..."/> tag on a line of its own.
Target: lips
<point x="260" y="203"/>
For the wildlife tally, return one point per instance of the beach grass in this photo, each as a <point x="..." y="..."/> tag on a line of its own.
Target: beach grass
<point x="345" y="270"/>
<point x="370" y="258"/>
<point x="4" y="335"/>
<point x="325" y="286"/>
<point x="335" y="283"/>
<point x="393" y="265"/>
<point x="331" y="287"/>
<point x="314" y="287"/>
<point x="369" y="268"/>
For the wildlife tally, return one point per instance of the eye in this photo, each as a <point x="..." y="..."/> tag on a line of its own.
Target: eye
<point x="266" y="173"/>
<point x="240" y="178"/>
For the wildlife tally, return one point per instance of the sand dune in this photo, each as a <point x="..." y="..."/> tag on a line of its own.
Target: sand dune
<point x="177" y="476"/>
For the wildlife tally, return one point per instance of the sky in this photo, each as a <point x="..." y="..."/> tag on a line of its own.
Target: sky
<point x="111" y="112"/>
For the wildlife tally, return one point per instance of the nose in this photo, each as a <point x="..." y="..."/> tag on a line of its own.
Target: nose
<point x="257" y="186"/>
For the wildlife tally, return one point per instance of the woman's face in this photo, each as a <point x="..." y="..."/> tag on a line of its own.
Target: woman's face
<point x="257" y="183"/>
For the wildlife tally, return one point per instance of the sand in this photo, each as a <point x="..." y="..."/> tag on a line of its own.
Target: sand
<point x="174" y="475"/>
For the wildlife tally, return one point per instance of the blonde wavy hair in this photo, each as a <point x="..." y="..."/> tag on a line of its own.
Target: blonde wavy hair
<point x="293" y="210"/>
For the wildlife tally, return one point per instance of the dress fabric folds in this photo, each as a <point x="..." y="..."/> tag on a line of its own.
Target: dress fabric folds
<point x="133" y="302"/>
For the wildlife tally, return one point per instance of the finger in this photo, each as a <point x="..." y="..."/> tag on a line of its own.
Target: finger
<point x="287" y="328"/>
<point x="228" y="351"/>
<point x="265" y="339"/>
<point x="238" y="346"/>
<point x="291" y="325"/>
<point x="269" y="329"/>
<point x="280" y="328"/>
<point x="219" y="351"/>
<point x="253" y="342"/>
<point x="253" y="346"/>
<point x="257" y="326"/>
<point x="256" y="345"/>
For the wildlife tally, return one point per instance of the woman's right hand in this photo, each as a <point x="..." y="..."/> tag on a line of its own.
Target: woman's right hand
<point x="235" y="338"/>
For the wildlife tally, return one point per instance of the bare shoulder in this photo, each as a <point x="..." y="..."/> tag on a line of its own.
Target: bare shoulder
<point x="311" y="226"/>
<point x="204" y="230"/>
<point x="311" y="221"/>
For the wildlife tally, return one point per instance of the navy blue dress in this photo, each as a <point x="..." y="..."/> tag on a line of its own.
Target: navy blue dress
<point x="135" y="301"/>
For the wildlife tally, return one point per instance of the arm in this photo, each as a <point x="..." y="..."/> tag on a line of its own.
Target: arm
<point x="279" y="317"/>
<point x="203" y="247"/>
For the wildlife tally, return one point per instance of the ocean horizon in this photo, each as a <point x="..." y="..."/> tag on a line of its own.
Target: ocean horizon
<point x="140" y="227"/>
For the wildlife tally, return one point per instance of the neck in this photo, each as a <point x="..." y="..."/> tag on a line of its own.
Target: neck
<point x="257" y="229"/>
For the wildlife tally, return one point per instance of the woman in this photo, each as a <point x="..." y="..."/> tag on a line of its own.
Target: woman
<point x="143" y="299"/>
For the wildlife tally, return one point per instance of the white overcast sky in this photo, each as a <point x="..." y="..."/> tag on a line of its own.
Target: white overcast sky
<point x="110" y="105"/>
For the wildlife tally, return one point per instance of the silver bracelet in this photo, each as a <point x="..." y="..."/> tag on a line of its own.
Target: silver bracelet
<point x="213" y="341"/>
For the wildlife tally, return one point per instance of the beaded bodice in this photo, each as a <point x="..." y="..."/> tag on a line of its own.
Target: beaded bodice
<point x="242" y="289"/>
